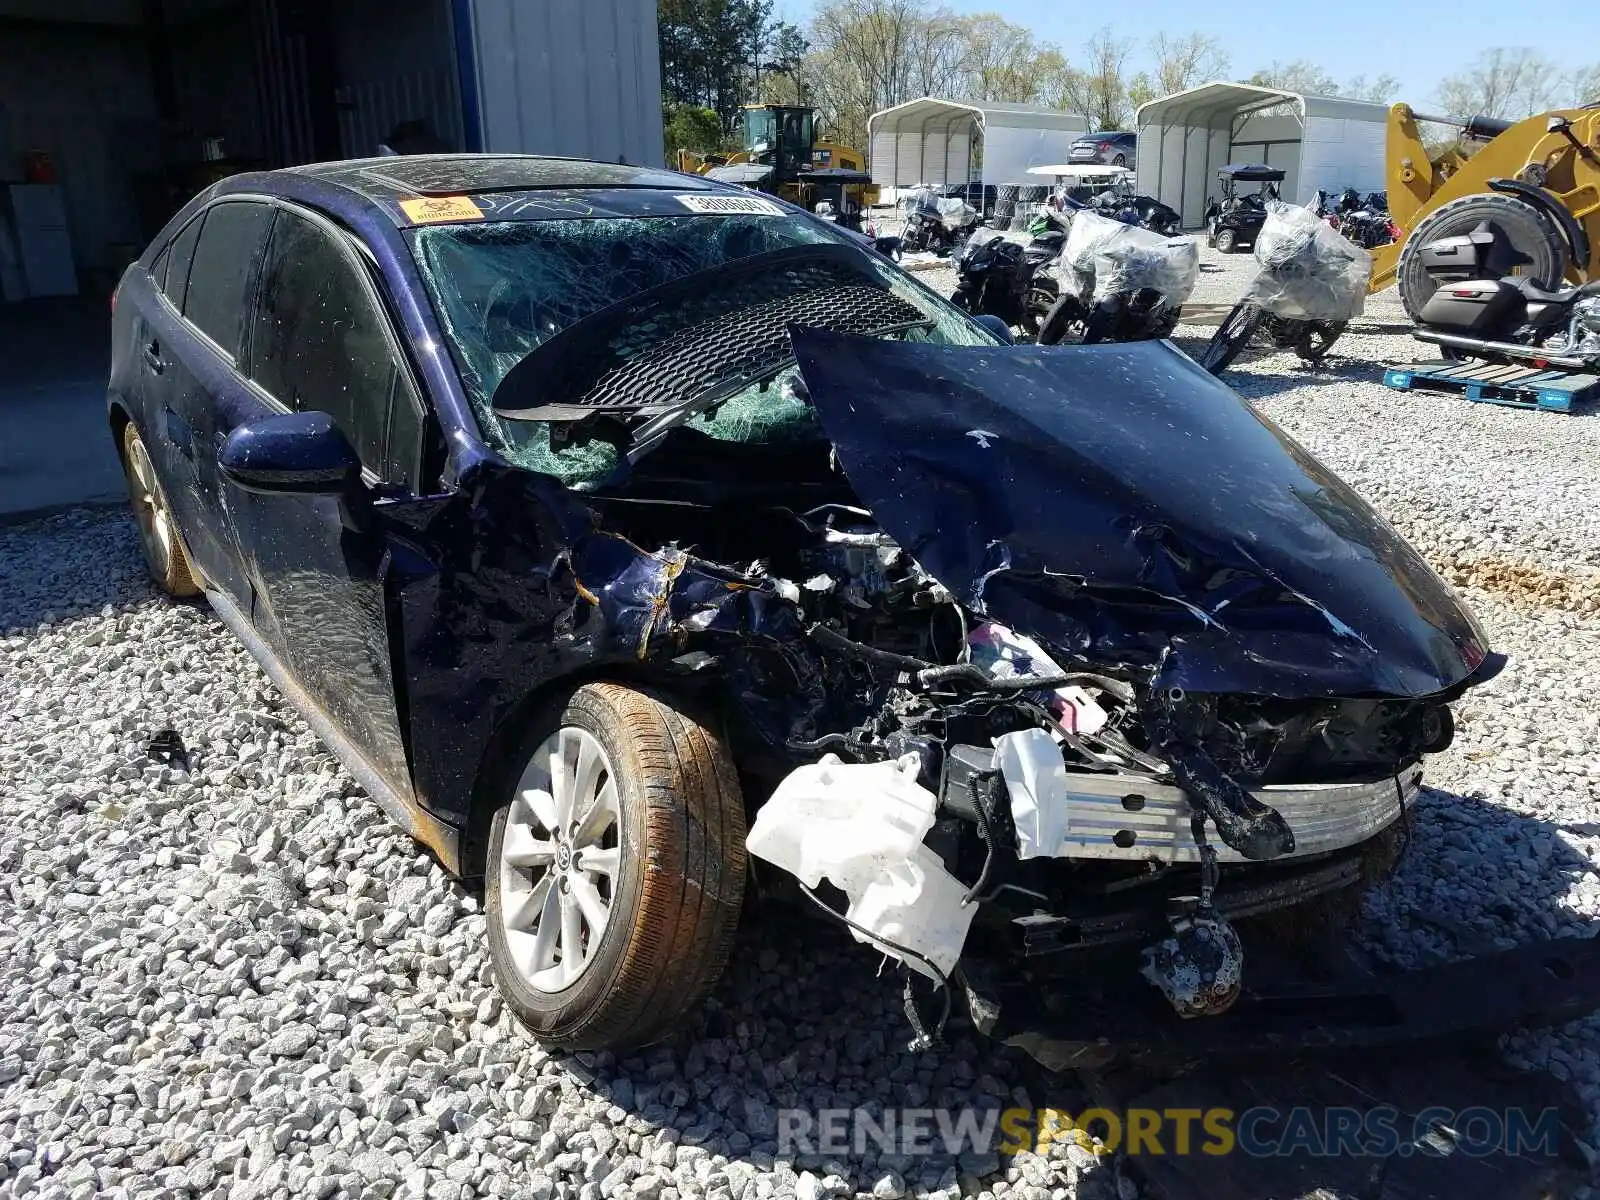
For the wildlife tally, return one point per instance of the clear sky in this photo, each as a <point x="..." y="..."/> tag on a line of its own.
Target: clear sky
<point x="1417" y="41"/>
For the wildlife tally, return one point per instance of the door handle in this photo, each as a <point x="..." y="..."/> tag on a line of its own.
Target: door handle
<point x="152" y="356"/>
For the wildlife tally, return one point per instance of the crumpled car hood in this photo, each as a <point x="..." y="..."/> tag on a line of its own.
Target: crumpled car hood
<point x="1120" y="503"/>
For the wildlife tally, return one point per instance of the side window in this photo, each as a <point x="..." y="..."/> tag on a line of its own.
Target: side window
<point x="172" y="271"/>
<point x="320" y="342"/>
<point x="225" y="260"/>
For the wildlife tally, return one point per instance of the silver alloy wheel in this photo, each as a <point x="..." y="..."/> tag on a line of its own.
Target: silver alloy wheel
<point x="559" y="859"/>
<point x="149" y="506"/>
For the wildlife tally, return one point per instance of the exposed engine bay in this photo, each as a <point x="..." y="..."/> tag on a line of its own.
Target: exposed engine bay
<point x="1085" y="782"/>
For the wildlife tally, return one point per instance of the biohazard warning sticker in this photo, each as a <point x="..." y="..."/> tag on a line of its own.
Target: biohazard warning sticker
<point x="426" y="210"/>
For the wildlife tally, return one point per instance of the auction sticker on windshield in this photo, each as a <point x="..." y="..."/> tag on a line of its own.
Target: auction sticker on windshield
<point x="731" y="204"/>
<point x="425" y="210"/>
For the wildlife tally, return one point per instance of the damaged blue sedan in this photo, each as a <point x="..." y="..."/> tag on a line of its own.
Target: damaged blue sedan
<point x="641" y="543"/>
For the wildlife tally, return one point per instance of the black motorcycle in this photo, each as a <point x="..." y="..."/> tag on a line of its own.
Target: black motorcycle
<point x="1312" y="281"/>
<point x="1363" y="219"/>
<point x="936" y="223"/>
<point x="1121" y="204"/>
<point x="1368" y="228"/>
<point x="1158" y="217"/>
<point x="1476" y="311"/>
<point x="1005" y="279"/>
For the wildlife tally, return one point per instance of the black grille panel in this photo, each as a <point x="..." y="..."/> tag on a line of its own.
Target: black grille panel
<point x="663" y="351"/>
<point x="750" y="341"/>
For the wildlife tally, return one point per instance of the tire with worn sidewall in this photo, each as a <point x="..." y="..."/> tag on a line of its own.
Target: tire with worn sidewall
<point x="1530" y="230"/>
<point x="1042" y="297"/>
<point x="680" y="882"/>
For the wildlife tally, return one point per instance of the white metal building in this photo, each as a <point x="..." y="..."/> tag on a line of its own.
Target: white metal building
<point x="929" y="140"/>
<point x="1321" y="142"/>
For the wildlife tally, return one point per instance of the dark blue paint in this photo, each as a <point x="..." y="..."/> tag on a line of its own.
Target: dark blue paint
<point x="293" y="452"/>
<point x="421" y="624"/>
<point x="1121" y="503"/>
<point x="426" y="626"/>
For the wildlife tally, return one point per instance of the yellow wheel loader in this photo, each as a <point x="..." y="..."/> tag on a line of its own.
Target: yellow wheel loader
<point x="1537" y="179"/>
<point x="781" y="155"/>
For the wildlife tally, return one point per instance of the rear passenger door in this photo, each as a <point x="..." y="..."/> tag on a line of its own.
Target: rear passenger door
<point x="164" y="380"/>
<point x="196" y="373"/>
<point x="321" y="340"/>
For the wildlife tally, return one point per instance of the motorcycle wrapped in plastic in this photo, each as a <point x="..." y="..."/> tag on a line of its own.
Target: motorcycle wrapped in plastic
<point x="1312" y="282"/>
<point x="1120" y="282"/>
<point x="935" y="222"/>
<point x="1309" y="270"/>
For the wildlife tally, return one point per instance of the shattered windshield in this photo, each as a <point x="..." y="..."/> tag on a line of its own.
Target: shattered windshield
<point x="504" y="289"/>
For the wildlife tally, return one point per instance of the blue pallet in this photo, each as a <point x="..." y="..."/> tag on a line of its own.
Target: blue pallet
<point x="1497" y="383"/>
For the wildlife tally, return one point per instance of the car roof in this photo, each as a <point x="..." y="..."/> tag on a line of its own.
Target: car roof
<point x="427" y="189"/>
<point x="397" y="175"/>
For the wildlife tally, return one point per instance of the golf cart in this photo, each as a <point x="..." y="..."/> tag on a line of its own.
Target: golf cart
<point x="1233" y="222"/>
<point x="1108" y="191"/>
<point x="834" y="193"/>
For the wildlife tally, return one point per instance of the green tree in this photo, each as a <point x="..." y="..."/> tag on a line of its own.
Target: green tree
<point x="690" y="127"/>
<point x="1185" y="61"/>
<point x="1301" y="76"/>
<point x="711" y="52"/>
<point x="1097" y="91"/>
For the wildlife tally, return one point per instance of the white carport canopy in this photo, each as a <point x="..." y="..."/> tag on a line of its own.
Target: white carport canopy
<point x="929" y="140"/>
<point x="1322" y="143"/>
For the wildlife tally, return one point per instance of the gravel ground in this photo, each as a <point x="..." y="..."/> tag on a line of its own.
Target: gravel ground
<point x="238" y="980"/>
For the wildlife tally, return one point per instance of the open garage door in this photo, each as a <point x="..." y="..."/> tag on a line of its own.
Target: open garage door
<point x="114" y="112"/>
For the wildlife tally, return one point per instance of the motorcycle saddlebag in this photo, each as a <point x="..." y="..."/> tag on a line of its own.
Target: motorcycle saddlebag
<point x="1451" y="258"/>
<point x="1479" y="306"/>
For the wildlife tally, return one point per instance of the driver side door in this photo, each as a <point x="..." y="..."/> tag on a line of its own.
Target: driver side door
<point x="321" y="340"/>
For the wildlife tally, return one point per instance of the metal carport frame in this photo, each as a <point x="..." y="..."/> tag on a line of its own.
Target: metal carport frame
<point x="1014" y="136"/>
<point x="1340" y="141"/>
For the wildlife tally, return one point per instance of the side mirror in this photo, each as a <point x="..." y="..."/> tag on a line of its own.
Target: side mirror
<point x="997" y="327"/>
<point x="1557" y="124"/>
<point x="302" y="453"/>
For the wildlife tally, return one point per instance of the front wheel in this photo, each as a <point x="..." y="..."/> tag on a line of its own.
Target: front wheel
<point x="615" y="870"/>
<point x="1225" y="240"/>
<point x="1064" y="316"/>
<point x="1231" y="337"/>
<point x="1042" y="296"/>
